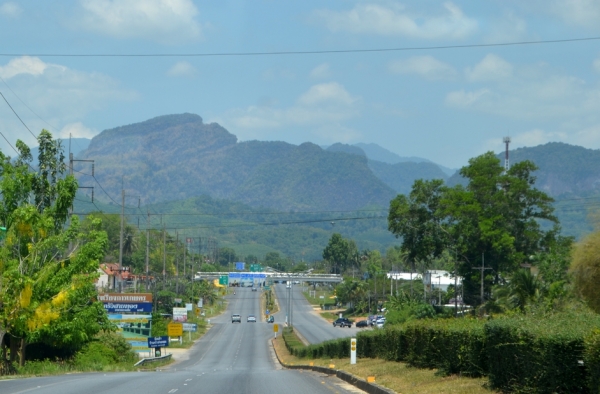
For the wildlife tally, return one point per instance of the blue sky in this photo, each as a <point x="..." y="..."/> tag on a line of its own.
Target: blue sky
<point x="447" y="105"/>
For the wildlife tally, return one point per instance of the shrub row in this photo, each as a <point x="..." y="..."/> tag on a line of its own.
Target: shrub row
<point x="559" y="353"/>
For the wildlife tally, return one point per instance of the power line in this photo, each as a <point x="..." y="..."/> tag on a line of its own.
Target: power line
<point x="17" y="115"/>
<point x="310" y="52"/>
<point x="22" y="102"/>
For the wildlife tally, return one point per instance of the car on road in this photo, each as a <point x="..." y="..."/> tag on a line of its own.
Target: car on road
<point x="362" y="324"/>
<point x="251" y="319"/>
<point x="270" y="319"/>
<point x="380" y="322"/>
<point x="254" y="289"/>
<point x="236" y="318"/>
<point x="342" y="322"/>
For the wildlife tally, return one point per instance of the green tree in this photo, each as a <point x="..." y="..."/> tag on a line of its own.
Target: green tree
<point x="417" y="218"/>
<point x="497" y="217"/>
<point x="585" y="268"/>
<point x="47" y="273"/>
<point x="337" y="253"/>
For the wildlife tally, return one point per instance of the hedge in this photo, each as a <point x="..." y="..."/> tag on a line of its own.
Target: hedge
<point x="528" y="354"/>
<point x="556" y="353"/>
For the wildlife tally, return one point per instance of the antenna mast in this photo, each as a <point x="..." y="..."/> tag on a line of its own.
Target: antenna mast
<point x="506" y="140"/>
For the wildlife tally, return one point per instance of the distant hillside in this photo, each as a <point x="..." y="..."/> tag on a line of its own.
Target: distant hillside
<point x="377" y="153"/>
<point x="401" y="176"/>
<point x="338" y="147"/>
<point x="256" y="231"/>
<point x="176" y="157"/>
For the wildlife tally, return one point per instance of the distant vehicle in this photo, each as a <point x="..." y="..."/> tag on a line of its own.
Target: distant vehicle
<point x="342" y="322"/>
<point x="296" y="282"/>
<point x="380" y="322"/>
<point x="271" y="319"/>
<point x="251" y="319"/>
<point x="362" y="324"/>
<point x="289" y="285"/>
<point x="254" y="289"/>
<point x="235" y="318"/>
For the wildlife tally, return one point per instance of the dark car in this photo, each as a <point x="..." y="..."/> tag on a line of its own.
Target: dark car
<point x="362" y="323"/>
<point x="342" y="322"/>
<point x="254" y="289"/>
<point x="271" y="319"/>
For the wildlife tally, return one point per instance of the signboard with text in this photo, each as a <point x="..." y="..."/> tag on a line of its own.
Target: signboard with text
<point x="190" y="327"/>
<point x="180" y="314"/>
<point x="240" y="266"/>
<point x="125" y="297"/>
<point x="175" y="329"/>
<point x="117" y="307"/>
<point x="154" y="342"/>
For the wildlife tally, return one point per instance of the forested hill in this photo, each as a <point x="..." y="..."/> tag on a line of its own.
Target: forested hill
<point x="563" y="168"/>
<point x="175" y="157"/>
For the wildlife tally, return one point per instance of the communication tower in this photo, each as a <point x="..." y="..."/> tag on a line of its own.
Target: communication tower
<point x="506" y="140"/>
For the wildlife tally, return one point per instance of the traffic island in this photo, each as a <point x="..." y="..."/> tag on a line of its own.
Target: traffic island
<point x="362" y="384"/>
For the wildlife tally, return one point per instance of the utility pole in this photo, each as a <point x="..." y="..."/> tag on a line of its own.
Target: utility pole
<point x="177" y="261"/>
<point x="121" y="236"/>
<point x="482" y="268"/>
<point x="147" y="246"/>
<point x="164" y="253"/>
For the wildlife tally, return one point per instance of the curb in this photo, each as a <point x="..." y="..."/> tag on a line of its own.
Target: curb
<point x="361" y="384"/>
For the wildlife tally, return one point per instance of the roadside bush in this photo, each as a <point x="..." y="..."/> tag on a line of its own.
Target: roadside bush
<point x="539" y="354"/>
<point x="104" y="352"/>
<point x="159" y="325"/>
<point x="591" y="358"/>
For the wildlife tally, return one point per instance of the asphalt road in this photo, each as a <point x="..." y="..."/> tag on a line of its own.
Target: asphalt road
<point x="311" y="326"/>
<point x="230" y="358"/>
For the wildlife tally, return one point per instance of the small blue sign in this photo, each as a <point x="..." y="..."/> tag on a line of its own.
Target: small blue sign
<point x="158" y="342"/>
<point x="240" y="266"/>
<point x="117" y="307"/>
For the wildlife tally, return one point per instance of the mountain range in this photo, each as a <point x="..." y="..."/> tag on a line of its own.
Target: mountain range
<point x="180" y="158"/>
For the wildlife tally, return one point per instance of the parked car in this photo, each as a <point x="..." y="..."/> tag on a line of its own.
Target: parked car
<point x="271" y="319"/>
<point x="342" y="322"/>
<point x="362" y="324"/>
<point x="380" y="322"/>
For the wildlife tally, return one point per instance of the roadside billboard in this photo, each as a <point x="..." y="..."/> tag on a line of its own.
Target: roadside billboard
<point x="180" y="314"/>
<point x="112" y="307"/>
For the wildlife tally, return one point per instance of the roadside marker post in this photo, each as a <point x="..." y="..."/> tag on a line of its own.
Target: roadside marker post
<point x="352" y="350"/>
<point x="275" y="329"/>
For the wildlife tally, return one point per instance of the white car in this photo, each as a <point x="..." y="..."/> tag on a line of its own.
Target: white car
<point x="251" y="319"/>
<point x="380" y="322"/>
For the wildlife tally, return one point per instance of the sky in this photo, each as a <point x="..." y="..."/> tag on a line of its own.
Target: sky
<point x="447" y="104"/>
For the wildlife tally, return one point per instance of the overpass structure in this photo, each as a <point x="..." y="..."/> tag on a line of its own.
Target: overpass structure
<point x="270" y="276"/>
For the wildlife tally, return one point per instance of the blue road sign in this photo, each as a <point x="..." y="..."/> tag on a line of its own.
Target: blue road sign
<point x="158" y="342"/>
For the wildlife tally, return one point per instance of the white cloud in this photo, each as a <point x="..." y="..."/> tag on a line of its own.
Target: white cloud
<point x="76" y="130"/>
<point x="322" y="109"/>
<point x="427" y="67"/>
<point x="585" y="13"/>
<point x="182" y="69"/>
<point x="532" y="92"/>
<point x="491" y="68"/>
<point x="395" y="20"/>
<point x="165" y="21"/>
<point x="321" y="71"/>
<point x="10" y="9"/>
<point x="324" y="93"/>
<point x="59" y="95"/>
<point x="23" y="65"/>
<point x="464" y="99"/>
